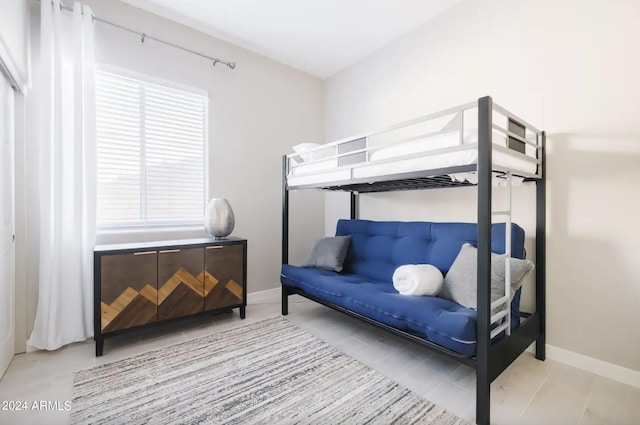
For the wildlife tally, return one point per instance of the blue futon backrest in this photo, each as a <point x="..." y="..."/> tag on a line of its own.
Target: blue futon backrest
<point x="379" y="247"/>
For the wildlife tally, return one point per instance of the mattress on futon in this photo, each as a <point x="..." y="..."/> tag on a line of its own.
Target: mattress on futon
<point x="436" y="319"/>
<point x="377" y="249"/>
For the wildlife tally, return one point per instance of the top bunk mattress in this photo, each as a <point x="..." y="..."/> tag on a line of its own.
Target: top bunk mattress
<point x="433" y="152"/>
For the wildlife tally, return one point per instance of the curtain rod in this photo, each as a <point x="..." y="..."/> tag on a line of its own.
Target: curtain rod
<point x="144" y="36"/>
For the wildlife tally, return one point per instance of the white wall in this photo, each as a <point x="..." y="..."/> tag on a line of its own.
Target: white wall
<point x="257" y="112"/>
<point x="568" y="67"/>
<point x="14" y="38"/>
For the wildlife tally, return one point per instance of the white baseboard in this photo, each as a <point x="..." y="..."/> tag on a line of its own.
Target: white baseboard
<point x="252" y="295"/>
<point x="264" y="291"/>
<point x="599" y="367"/>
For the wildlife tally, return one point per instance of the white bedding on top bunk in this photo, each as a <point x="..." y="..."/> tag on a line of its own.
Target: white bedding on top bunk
<point x="429" y="143"/>
<point x="327" y="171"/>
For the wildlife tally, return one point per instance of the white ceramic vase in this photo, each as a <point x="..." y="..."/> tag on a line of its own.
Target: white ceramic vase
<point x="218" y="218"/>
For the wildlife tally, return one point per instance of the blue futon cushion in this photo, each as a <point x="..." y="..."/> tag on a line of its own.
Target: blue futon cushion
<point x="377" y="249"/>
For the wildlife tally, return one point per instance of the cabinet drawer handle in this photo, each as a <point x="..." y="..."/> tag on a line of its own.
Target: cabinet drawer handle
<point x="215" y="247"/>
<point x="144" y="253"/>
<point x="165" y="251"/>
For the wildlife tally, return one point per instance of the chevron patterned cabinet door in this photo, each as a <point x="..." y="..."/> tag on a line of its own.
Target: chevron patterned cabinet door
<point x="129" y="290"/>
<point x="180" y="282"/>
<point x="223" y="276"/>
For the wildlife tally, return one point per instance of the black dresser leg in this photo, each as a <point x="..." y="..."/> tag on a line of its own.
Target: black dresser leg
<point x="243" y="311"/>
<point x="99" y="346"/>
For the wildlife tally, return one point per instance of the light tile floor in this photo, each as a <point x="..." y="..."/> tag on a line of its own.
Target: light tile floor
<point x="528" y="392"/>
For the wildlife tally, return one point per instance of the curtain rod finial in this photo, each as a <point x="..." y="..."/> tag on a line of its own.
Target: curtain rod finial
<point x="231" y="65"/>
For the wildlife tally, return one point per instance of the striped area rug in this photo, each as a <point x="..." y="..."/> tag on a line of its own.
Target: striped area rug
<point x="271" y="372"/>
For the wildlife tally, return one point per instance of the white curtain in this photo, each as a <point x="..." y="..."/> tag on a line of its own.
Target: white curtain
<point x="67" y="181"/>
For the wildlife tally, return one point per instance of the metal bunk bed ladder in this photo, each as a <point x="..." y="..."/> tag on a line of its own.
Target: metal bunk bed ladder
<point x="506" y="299"/>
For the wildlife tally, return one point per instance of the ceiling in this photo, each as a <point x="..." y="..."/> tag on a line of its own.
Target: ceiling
<point x="320" y="37"/>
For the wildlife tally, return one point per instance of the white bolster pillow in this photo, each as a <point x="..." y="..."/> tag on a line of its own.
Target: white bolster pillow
<point x="417" y="279"/>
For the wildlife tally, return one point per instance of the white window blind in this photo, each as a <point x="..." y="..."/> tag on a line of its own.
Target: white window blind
<point x="152" y="153"/>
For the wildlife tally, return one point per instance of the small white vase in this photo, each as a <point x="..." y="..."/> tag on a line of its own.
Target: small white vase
<point x="218" y="218"/>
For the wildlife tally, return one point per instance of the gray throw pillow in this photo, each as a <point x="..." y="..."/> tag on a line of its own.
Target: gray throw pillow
<point x="329" y="253"/>
<point x="460" y="284"/>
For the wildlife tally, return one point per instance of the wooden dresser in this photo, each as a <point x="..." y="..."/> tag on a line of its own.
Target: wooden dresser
<point x="143" y="284"/>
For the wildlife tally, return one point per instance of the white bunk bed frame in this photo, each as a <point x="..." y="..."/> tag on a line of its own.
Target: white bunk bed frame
<point x="347" y="157"/>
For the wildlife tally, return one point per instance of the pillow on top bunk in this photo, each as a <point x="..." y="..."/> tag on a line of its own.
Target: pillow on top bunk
<point x="329" y="253"/>
<point x="307" y="153"/>
<point x="460" y="283"/>
<point x="454" y="123"/>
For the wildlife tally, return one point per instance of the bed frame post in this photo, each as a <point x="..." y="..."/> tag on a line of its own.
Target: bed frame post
<point x="354" y="205"/>
<point x="483" y="338"/>
<point x="541" y="234"/>
<point x="285" y="233"/>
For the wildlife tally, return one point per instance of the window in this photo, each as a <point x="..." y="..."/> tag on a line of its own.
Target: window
<point x="152" y="153"/>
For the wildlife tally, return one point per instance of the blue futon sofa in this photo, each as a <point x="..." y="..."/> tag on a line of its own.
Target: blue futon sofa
<point x="365" y="285"/>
